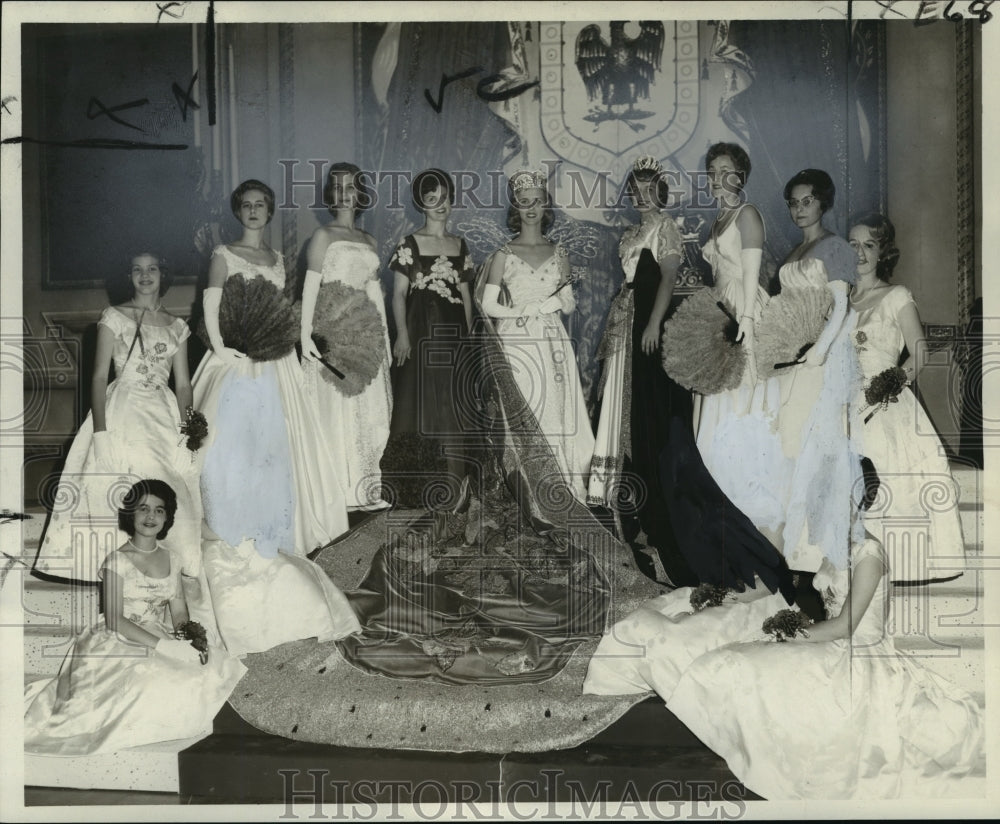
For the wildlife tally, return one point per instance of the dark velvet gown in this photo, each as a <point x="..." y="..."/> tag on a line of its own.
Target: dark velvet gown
<point x="427" y="390"/>
<point x="699" y="534"/>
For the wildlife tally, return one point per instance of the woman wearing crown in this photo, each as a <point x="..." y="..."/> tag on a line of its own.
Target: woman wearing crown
<point x="523" y="288"/>
<point x="645" y="426"/>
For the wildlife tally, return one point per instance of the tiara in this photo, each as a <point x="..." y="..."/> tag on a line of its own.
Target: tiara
<point x="528" y="179"/>
<point x="647" y="162"/>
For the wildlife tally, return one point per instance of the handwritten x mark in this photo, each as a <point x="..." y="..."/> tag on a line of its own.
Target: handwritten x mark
<point x="165" y="9"/>
<point x="95" y="108"/>
<point x="184" y="98"/>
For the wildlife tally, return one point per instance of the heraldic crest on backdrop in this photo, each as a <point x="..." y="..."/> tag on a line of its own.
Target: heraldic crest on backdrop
<point x="613" y="91"/>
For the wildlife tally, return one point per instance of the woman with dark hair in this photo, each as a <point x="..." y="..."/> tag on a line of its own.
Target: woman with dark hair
<point x="816" y="391"/>
<point x="533" y="277"/>
<point x="432" y="309"/>
<point x="343" y="280"/>
<point x="511" y="594"/>
<point x="270" y="489"/>
<point x="896" y="435"/>
<point x="146" y="344"/>
<point x="645" y="427"/>
<point x="137" y="678"/>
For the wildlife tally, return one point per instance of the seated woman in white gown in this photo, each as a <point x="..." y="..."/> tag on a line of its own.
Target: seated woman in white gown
<point x="918" y="494"/>
<point x="831" y="715"/>
<point x="533" y="275"/>
<point x="130" y="681"/>
<point x="837" y="713"/>
<point x="269" y="485"/>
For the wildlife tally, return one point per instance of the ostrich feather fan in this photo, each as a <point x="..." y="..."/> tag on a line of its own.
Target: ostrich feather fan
<point x="700" y="351"/>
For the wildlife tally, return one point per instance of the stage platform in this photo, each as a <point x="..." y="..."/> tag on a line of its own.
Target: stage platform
<point x="646" y="754"/>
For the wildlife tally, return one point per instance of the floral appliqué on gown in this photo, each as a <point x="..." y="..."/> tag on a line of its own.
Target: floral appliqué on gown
<point x="143" y="425"/>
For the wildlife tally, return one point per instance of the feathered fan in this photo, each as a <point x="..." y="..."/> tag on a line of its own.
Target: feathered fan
<point x="350" y="334"/>
<point x="255" y="318"/>
<point x="790" y="323"/>
<point x="699" y="345"/>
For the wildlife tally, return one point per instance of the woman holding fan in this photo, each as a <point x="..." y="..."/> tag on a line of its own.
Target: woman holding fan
<point x="646" y="428"/>
<point x="342" y="302"/>
<point x="817" y="384"/>
<point x="735" y="425"/>
<point x="270" y="489"/>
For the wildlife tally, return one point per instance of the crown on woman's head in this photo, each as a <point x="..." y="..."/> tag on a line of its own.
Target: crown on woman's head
<point x="528" y="179"/>
<point x="647" y="163"/>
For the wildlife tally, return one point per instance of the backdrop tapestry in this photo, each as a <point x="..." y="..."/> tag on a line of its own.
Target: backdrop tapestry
<point x="817" y="100"/>
<point x="486" y="97"/>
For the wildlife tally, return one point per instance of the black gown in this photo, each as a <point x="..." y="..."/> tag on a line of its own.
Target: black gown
<point x="699" y="534"/>
<point x="432" y="404"/>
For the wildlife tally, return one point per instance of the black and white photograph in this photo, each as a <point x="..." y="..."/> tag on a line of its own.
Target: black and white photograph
<point x="438" y="411"/>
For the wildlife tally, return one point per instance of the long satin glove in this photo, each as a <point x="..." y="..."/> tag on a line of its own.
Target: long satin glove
<point x="493" y="308"/>
<point x="750" y="261"/>
<point x="567" y="299"/>
<point x="104" y="451"/>
<point x="550" y="305"/>
<point x="211" y="302"/>
<point x="310" y="291"/>
<point x="816" y="356"/>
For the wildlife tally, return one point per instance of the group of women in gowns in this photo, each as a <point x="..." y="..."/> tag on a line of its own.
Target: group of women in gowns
<point x="269" y="493"/>
<point x="834" y="712"/>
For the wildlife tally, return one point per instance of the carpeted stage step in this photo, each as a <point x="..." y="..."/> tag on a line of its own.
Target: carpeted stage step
<point x="647" y="753"/>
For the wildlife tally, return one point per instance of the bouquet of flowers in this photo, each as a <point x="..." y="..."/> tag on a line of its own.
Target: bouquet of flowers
<point x="700" y="351"/>
<point x="708" y="595"/>
<point x="885" y="388"/>
<point x="350" y="335"/>
<point x="787" y="624"/>
<point x="255" y="318"/>
<point x="195" y="633"/>
<point x="195" y="427"/>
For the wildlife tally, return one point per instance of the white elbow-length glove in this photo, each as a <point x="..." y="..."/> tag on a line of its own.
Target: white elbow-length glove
<point x="750" y="261"/>
<point x="211" y="302"/>
<point x="310" y="291"/>
<point x="493" y="307"/>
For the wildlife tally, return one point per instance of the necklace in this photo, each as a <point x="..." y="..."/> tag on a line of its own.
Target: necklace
<point x="143" y="551"/>
<point x="858" y="298"/>
<point x="156" y="307"/>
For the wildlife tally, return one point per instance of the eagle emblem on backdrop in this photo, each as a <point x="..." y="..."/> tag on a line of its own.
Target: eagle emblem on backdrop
<point x="611" y="91"/>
